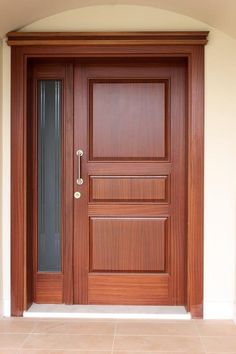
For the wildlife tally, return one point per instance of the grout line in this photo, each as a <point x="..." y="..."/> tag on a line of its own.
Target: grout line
<point x="115" y="335"/>
<point x="28" y="335"/>
<point x="113" y="343"/>
<point x="71" y="351"/>
<point x="118" y="335"/>
<point x="60" y="350"/>
<point x="199" y="336"/>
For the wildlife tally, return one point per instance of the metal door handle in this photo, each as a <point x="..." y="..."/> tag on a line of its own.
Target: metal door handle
<point x="79" y="180"/>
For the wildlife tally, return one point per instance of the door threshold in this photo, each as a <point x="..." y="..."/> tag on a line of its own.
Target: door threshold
<point x="107" y="312"/>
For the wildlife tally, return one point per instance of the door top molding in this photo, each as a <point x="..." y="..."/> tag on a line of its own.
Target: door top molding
<point x="107" y="38"/>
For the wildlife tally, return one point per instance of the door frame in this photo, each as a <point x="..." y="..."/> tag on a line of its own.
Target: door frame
<point x="188" y="45"/>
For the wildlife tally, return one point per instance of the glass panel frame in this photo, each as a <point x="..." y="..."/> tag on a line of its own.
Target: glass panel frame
<point x="49" y="164"/>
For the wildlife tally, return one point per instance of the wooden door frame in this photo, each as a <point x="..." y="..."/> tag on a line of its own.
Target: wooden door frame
<point x="188" y="45"/>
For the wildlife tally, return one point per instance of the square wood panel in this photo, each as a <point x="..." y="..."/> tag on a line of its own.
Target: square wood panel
<point x="128" y="119"/>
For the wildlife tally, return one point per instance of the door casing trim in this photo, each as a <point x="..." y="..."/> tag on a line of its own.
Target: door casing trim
<point x="188" y="45"/>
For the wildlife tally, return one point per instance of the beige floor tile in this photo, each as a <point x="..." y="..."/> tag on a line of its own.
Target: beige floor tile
<point x="219" y="344"/>
<point x="199" y="321"/>
<point x="158" y="343"/>
<point x="17" y="325"/>
<point x="11" y="341"/>
<point x="68" y="342"/>
<point x="75" y="327"/>
<point x="30" y="351"/>
<point x="216" y="328"/>
<point x="153" y="352"/>
<point x="185" y="328"/>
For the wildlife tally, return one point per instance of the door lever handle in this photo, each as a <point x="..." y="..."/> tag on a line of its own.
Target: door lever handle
<point x="79" y="154"/>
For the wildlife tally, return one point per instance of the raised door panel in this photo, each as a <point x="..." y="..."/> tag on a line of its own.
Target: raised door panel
<point x="128" y="244"/>
<point x="129" y="188"/>
<point x="128" y="119"/>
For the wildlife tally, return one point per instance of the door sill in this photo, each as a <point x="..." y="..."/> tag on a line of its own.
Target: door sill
<point x="107" y="312"/>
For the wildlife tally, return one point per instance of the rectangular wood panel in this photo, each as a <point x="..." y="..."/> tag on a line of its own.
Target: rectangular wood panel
<point x="126" y="289"/>
<point x="49" y="288"/>
<point x="128" y="119"/>
<point x="129" y="188"/>
<point x="128" y="244"/>
<point x="96" y="209"/>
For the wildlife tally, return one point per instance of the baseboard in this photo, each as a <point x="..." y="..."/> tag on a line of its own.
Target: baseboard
<point x="219" y="310"/>
<point x="5" y="308"/>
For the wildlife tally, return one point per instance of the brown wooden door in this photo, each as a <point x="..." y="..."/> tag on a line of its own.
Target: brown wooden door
<point x="129" y="223"/>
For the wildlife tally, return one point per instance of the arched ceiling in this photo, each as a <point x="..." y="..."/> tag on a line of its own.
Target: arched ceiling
<point x="220" y="14"/>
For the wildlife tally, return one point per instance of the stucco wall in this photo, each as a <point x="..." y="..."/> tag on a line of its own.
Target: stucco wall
<point x="220" y="137"/>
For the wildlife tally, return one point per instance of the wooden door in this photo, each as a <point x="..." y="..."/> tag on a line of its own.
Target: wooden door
<point x="130" y="220"/>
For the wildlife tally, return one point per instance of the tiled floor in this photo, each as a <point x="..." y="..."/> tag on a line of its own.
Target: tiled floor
<point x="45" y="336"/>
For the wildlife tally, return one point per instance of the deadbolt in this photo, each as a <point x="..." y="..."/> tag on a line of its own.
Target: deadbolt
<point x="77" y="195"/>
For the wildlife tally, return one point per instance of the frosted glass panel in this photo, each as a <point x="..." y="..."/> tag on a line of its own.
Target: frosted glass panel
<point x="49" y="176"/>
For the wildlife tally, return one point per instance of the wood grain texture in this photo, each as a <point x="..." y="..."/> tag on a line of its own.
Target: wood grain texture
<point x="18" y="185"/>
<point x="196" y="184"/>
<point x="141" y="209"/>
<point x="49" y="288"/>
<point x="136" y="168"/>
<point x="137" y="128"/>
<point x="30" y="192"/>
<point x="128" y="244"/>
<point x="108" y="38"/>
<point x="120" y="289"/>
<point x="117" y="135"/>
<point x="178" y="252"/>
<point x="63" y="72"/>
<point x="188" y="46"/>
<point x="44" y="284"/>
<point x="81" y="220"/>
<point x="67" y="185"/>
<point x="129" y="189"/>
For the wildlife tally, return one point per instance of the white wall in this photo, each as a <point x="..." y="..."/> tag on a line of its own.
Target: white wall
<point x="220" y="174"/>
<point x="220" y="137"/>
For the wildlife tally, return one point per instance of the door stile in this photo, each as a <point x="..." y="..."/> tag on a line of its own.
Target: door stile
<point x="67" y="182"/>
<point x="81" y="228"/>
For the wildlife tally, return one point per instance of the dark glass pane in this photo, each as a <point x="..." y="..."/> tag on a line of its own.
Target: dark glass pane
<point x="49" y="176"/>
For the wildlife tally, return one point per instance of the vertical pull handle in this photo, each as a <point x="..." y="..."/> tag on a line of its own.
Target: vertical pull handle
<point x="79" y="180"/>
